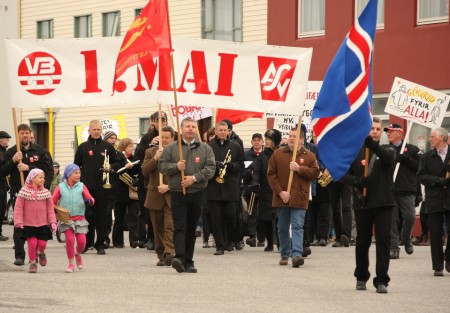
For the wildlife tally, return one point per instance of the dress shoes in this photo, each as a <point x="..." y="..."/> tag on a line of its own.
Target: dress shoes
<point x="251" y="242"/>
<point x="382" y="288"/>
<point x="297" y="261"/>
<point x="323" y="243"/>
<point x="3" y="238"/>
<point x="168" y="259"/>
<point x="268" y="248"/>
<point x="438" y="273"/>
<point x="219" y="252"/>
<point x="134" y="244"/>
<point x="101" y="252"/>
<point x="190" y="268"/>
<point x="337" y="244"/>
<point x="118" y="246"/>
<point x="394" y="254"/>
<point x="205" y="244"/>
<point x="229" y="248"/>
<point x="161" y="262"/>
<point x="306" y="251"/>
<point x="284" y="260"/>
<point x="178" y="265"/>
<point x="141" y="244"/>
<point x="345" y="241"/>
<point x="19" y="262"/>
<point x="239" y="245"/>
<point x="409" y="248"/>
<point x="361" y="285"/>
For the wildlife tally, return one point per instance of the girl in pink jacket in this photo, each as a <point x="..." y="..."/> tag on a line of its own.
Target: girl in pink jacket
<point x="33" y="213"/>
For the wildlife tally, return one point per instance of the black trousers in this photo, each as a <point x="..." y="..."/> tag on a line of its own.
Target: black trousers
<point x="186" y="210"/>
<point x="366" y="220"/>
<point x="320" y="220"/>
<point x="435" y="224"/>
<point x="3" y="204"/>
<point x="256" y="227"/>
<point x="341" y="207"/>
<point x="223" y="215"/>
<point x="135" y="222"/>
<point x="206" y="220"/>
<point x="97" y="216"/>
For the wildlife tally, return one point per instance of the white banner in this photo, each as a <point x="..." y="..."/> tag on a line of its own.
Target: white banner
<point x="209" y="73"/>
<point x="417" y="103"/>
<point x="184" y="111"/>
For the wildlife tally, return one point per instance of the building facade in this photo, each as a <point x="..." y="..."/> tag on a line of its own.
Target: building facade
<point x="412" y="42"/>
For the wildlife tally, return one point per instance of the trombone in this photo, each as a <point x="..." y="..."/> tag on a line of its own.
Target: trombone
<point x="128" y="180"/>
<point x="251" y="203"/>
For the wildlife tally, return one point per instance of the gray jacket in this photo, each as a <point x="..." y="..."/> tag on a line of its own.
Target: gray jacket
<point x="200" y="162"/>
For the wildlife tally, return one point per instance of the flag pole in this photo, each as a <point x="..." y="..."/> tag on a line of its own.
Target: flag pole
<point x="16" y="133"/>
<point x="159" y="134"/>
<point x="294" y="152"/>
<point x="366" y="170"/>
<point x="408" y="130"/>
<point x="180" y="150"/>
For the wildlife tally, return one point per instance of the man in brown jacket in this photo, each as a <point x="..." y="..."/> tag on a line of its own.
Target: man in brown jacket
<point x="158" y="199"/>
<point x="291" y="207"/>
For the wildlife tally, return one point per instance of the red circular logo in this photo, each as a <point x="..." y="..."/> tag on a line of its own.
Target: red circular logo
<point x="39" y="73"/>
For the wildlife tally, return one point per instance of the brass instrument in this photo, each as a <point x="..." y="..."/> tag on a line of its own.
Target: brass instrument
<point x="325" y="178"/>
<point x="128" y="180"/>
<point x="250" y="205"/>
<point x="106" y="166"/>
<point x="223" y="170"/>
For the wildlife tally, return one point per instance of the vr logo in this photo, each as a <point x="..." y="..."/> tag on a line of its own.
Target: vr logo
<point x="39" y="72"/>
<point x="275" y="77"/>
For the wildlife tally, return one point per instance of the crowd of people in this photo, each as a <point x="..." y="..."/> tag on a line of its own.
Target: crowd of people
<point x="175" y="187"/>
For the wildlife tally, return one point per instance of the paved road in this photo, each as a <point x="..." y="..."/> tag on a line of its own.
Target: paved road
<point x="127" y="280"/>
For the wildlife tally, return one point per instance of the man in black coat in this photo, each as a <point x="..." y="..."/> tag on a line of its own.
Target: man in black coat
<point x="31" y="156"/>
<point x="374" y="209"/>
<point x="405" y="188"/>
<point x="90" y="157"/>
<point x="434" y="171"/>
<point x="223" y="197"/>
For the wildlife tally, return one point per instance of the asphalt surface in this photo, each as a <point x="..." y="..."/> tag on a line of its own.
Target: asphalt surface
<point x="128" y="280"/>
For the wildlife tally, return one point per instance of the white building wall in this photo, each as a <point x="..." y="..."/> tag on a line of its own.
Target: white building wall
<point x="185" y="20"/>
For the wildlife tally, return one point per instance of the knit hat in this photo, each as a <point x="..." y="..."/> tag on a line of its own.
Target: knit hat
<point x="70" y="169"/>
<point x="108" y="134"/>
<point x="32" y="174"/>
<point x="274" y="135"/>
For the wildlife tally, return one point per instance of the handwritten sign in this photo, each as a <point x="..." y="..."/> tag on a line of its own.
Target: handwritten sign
<point x="184" y="111"/>
<point x="417" y="103"/>
<point x="115" y="123"/>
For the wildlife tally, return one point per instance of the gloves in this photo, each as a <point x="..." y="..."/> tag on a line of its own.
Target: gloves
<point x="402" y="158"/>
<point x="53" y="227"/>
<point x="442" y="182"/>
<point x="220" y="165"/>
<point x="370" y="143"/>
<point x="88" y="202"/>
<point x="361" y="182"/>
<point x="418" y="200"/>
<point x="20" y="225"/>
<point x="255" y="188"/>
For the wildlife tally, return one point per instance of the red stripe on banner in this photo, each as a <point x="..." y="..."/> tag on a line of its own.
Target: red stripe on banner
<point x="359" y="89"/>
<point x="362" y="45"/>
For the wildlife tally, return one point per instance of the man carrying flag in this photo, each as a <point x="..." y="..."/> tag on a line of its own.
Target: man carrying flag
<point x="342" y="119"/>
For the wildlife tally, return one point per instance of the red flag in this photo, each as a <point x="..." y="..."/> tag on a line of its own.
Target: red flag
<point x="147" y="37"/>
<point x="236" y="116"/>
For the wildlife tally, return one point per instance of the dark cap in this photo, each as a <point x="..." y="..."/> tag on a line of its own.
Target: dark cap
<point x="4" y="134"/>
<point x="257" y="135"/>
<point x="155" y="116"/>
<point x="275" y="135"/>
<point x="394" y="127"/>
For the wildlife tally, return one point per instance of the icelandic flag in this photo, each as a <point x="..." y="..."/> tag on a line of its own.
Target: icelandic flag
<point x="342" y="115"/>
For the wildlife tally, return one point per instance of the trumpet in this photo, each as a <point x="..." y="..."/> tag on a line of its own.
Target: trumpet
<point x="223" y="170"/>
<point x="128" y="180"/>
<point x="106" y="166"/>
<point x="325" y="178"/>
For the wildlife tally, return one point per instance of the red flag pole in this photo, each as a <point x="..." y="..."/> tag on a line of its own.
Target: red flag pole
<point x="180" y="151"/>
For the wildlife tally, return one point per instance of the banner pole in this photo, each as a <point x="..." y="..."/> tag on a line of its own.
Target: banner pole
<point x="16" y="133"/>
<point x="294" y="152"/>
<point x="408" y="129"/>
<point x="159" y="134"/>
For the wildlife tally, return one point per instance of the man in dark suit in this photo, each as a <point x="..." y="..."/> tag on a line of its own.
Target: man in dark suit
<point x="434" y="171"/>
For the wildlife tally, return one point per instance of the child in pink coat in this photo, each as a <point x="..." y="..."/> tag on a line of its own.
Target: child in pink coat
<point x="73" y="195"/>
<point x="33" y="213"/>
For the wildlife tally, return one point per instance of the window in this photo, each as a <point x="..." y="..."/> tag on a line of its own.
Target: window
<point x="361" y="4"/>
<point x="137" y="12"/>
<point x="83" y="26"/>
<point x="222" y="20"/>
<point x="432" y="11"/>
<point x="311" y="14"/>
<point x="45" y="29"/>
<point x="111" y="24"/>
<point x="144" y="125"/>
